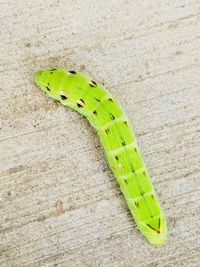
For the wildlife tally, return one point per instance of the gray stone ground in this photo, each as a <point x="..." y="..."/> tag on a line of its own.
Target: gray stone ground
<point x="58" y="209"/>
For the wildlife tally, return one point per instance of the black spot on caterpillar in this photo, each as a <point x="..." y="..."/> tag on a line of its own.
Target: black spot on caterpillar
<point x="112" y="116"/>
<point x="72" y="72"/>
<point x="117" y="158"/>
<point x="132" y="169"/>
<point x="137" y="204"/>
<point x="63" y="95"/>
<point x="52" y="71"/>
<point x="123" y="142"/>
<point x="80" y="103"/>
<point x="92" y="83"/>
<point x="107" y="131"/>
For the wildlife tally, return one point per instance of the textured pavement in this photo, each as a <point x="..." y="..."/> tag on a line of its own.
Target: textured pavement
<point x="59" y="203"/>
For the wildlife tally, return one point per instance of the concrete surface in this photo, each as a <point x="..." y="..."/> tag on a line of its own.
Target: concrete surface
<point x="58" y="209"/>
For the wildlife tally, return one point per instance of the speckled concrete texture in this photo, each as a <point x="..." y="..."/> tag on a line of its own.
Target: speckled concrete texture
<point x="59" y="203"/>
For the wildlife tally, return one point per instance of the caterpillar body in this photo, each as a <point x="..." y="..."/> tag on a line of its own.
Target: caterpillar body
<point x="76" y="90"/>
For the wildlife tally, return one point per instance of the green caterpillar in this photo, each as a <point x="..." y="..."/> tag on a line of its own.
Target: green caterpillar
<point x="77" y="91"/>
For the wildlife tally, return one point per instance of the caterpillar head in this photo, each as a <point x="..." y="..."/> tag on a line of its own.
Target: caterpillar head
<point x="49" y="81"/>
<point x="155" y="230"/>
<point x="64" y="86"/>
